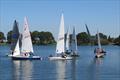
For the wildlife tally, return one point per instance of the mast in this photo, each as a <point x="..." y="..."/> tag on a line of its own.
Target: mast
<point x="60" y="48"/>
<point x="26" y="38"/>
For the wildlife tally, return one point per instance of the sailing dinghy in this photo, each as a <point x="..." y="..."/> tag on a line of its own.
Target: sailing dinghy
<point x="15" y="36"/>
<point x="74" y="52"/>
<point x="60" y="48"/>
<point x="99" y="51"/>
<point x="27" y="52"/>
<point x="67" y="43"/>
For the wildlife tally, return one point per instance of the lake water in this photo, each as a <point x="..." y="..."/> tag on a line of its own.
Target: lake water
<point x="86" y="67"/>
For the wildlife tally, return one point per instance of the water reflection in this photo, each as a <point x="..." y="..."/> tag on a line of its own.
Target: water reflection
<point x="73" y="69"/>
<point x="61" y="70"/>
<point x="66" y="70"/>
<point x="22" y="70"/>
<point x="94" y="69"/>
<point x="16" y="70"/>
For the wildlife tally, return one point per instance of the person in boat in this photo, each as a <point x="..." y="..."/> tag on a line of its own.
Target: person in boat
<point x="67" y="52"/>
<point x="26" y="54"/>
<point x="50" y="55"/>
<point x="31" y="54"/>
<point x="63" y="55"/>
<point x="12" y="52"/>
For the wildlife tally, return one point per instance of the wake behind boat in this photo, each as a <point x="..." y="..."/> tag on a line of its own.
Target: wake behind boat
<point x="26" y="52"/>
<point x="60" y="48"/>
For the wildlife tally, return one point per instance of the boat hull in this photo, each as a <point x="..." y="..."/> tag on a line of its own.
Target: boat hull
<point x="9" y="55"/>
<point x="76" y="55"/>
<point x="100" y="55"/>
<point x="60" y="58"/>
<point x="26" y="58"/>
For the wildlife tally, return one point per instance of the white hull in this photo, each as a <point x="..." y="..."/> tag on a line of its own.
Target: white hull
<point x="60" y="58"/>
<point x="99" y="55"/>
<point x="9" y="55"/>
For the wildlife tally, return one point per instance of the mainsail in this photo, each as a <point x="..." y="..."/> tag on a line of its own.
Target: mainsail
<point x="67" y="41"/>
<point x="74" y="41"/>
<point x="99" y="44"/>
<point x="15" y="35"/>
<point x="60" y="48"/>
<point x="26" y="38"/>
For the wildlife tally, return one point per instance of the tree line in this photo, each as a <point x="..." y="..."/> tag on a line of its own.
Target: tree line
<point x="45" y="38"/>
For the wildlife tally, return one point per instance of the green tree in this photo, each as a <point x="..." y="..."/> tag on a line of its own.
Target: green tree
<point x="103" y="39"/>
<point x="42" y="38"/>
<point x="82" y="38"/>
<point x="2" y="37"/>
<point x="102" y="36"/>
<point x="117" y="40"/>
<point x="35" y="37"/>
<point x="110" y="39"/>
<point x="9" y="36"/>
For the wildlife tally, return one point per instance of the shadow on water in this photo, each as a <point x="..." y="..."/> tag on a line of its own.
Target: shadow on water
<point x="22" y="70"/>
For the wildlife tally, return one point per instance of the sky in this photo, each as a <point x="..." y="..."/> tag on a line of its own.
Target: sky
<point x="45" y="15"/>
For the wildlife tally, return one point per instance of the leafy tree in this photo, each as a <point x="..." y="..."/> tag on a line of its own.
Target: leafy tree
<point x="117" y="41"/>
<point x="42" y="37"/>
<point x="9" y="36"/>
<point x="103" y="39"/>
<point x="110" y="39"/>
<point x="2" y="37"/>
<point x="102" y="36"/>
<point x="82" y="38"/>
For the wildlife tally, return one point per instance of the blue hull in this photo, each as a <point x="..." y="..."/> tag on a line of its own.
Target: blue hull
<point x="30" y="58"/>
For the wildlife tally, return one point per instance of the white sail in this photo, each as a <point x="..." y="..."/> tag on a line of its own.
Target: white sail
<point x="67" y="41"/>
<point x="17" y="49"/>
<point x="26" y="38"/>
<point x="99" y="44"/>
<point x="74" y="42"/>
<point x="60" y="42"/>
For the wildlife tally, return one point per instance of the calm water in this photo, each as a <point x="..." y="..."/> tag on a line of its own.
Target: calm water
<point x="86" y="67"/>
